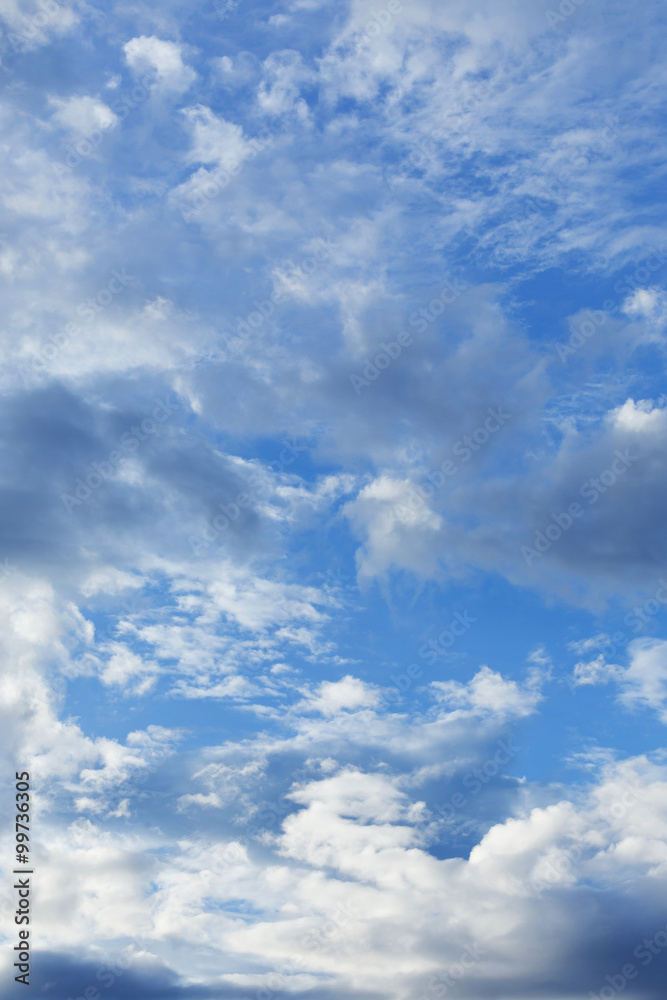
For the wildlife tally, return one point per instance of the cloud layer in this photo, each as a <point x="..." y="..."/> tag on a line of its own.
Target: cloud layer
<point x="332" y="553"/>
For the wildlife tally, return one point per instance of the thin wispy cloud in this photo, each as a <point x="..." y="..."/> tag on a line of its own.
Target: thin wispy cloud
<point x="332" y="549"/>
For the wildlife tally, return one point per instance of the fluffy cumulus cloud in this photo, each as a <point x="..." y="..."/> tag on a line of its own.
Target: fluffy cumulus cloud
<point x="643" y="683"/>
<point x="29" y="26"/>
<point x="83" y="114"/>
<point x="163" y="57"/>
<point x="332" y="548"/>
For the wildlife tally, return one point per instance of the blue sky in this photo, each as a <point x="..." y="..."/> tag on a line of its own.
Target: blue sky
<point x="333" y="568"/>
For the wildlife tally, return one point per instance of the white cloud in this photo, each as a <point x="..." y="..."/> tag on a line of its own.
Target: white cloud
<point x="33" y="25"/>
<point x="260" y="603"/>
<point x="214" y="140"/>
<point x="644" y="683"/>
<point x="596" y="671"/>
<point x="642" y="417"/>
<point x="348" y="693"/>
<point x="358" y="866"/>
<point x="148" y="52"/>
<point x="649" y="306"/>
<point x="344" y="872"/>
<point x="283" y="75"/>
<point x="360" y="883"/>
<point x="128" y="670"/>
<point x="399" y="531"/>
<point x="83" y="114"/>
<point x="489" y="692"/>
<point x="110" y="580"/>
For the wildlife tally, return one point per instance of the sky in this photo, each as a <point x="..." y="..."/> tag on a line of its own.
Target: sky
<point x="333" y="563"/>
